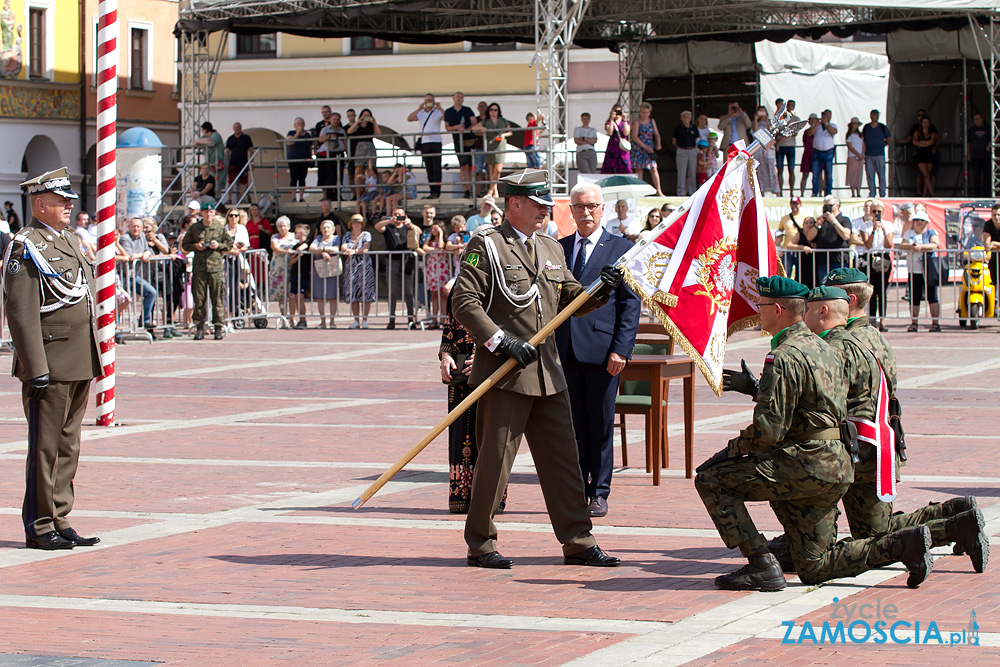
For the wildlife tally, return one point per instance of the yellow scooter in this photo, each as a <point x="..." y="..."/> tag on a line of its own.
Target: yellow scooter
<point x="976" y="297"/>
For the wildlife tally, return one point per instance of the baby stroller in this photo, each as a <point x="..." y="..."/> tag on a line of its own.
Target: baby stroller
<point x="247" y="304"/>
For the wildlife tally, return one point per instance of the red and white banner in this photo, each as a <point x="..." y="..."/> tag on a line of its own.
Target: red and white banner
<point x="880" y="435"/>
<point x="699" y="275"/>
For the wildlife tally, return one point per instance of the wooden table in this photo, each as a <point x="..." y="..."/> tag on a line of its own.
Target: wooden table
<point x="657" y="369"/>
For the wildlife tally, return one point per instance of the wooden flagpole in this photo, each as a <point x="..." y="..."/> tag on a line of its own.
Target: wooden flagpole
<point x="498" y="374"/>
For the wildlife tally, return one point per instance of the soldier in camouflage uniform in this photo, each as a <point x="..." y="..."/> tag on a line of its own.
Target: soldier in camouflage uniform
<point x="208" y="241"/>
<point x="955" y="520"/>
<point x="792" y="455"/>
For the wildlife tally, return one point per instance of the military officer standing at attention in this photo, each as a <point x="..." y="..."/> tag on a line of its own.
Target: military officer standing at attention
<point x="49" y="299"/>
<point x="792" y="455"/>
<point x="955" y="520"/>
<point x="513" y="280"/>
<point x="208" y="241"/>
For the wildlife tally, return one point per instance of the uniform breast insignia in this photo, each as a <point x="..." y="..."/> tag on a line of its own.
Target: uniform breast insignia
<point x="513" y="266"/>
<point x="472" y="258"/>
<point x="13" y="266"/>
<point x="41" y="247"/>
<point x="549" y="266"/>
<point x="513" y="288"/>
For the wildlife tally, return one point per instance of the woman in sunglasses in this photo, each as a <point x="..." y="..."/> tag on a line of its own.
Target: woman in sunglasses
<point x="616" y="157"/>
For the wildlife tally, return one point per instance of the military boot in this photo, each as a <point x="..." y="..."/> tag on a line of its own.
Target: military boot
<point x="762" y="573"/>
<point x="779" y="549"/>
<point x="911" y="547"/>
<point x="966" y="530"/>
<point x="199" y="333"/>
<point x="218" y="333"/>
<point x="953" y="506"/>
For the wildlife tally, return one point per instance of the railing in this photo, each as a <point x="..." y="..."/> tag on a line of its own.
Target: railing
<point x="945" y="275"/>
<point x="251" y="185"/>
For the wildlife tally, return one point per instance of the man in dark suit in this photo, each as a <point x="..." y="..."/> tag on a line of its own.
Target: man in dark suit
<point x="594" y="348"/>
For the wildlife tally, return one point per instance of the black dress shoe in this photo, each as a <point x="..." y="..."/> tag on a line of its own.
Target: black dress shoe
<point x="50" y="541"/>
<point x="492" y="560"/>
<point x="598" y="507"/>
<point x="594" y="557"/>
<point x="77" y="539"/>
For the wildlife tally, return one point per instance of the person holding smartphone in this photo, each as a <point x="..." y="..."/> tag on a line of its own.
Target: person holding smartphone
<point x="398" y="231"/>
<point x="430" y="114"/>
<point x="616" y="157"/>
<point x="873" y="238"/>
<point x="735" y="125"/>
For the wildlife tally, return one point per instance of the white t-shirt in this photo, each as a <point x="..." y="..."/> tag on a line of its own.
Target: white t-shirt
<point x="585" y="133"/>
<point x="914" y="260"/>
<point x="859" y="225"/>
<point x="857" y="143"/>
<point x="86" y="234"/>
<point x="823" y="140"/>
<point x="241" y="235"/>
<point x="632" y="224"/>
<point x="432" y="125"/>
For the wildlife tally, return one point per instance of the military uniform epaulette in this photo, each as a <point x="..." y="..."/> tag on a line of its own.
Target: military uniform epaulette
<point x="484" y="230"/>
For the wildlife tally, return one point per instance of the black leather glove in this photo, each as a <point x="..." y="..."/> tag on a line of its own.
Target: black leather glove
<point x="743" y="381"/>
<point x="714" y="460"/>
<point x="611" y="278"/>
<point x="37" y="387"/>
<point x="520" y="350"/>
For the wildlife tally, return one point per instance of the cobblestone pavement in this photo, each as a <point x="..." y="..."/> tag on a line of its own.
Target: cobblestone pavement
<point x="227" y="538"/>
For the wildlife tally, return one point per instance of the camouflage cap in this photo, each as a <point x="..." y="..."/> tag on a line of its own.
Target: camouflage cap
<point x="825" y="293"/>
<point x="779" y="287"/>
<point x="845" y="276"/>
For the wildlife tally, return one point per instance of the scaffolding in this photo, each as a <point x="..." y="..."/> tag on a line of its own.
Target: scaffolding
<point x="552" y="27"/>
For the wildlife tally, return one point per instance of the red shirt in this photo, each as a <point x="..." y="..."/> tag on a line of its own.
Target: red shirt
<point x="255" y="228"/>
<point x="529" y="134"/>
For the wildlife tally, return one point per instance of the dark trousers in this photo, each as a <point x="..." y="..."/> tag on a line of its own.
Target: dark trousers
<point x="979" y="171"/>
<point x="53" y="452"/>
<point x="592" y="392"/>
<point x="400" y="272"/>
<point x="431" y="155"/>
<point x="502" y="419"/>
<point x="212" y="282"/>
<point x="879" y="281"/>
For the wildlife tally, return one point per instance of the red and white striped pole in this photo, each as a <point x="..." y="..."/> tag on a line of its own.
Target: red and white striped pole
<point x="107" y="114"/>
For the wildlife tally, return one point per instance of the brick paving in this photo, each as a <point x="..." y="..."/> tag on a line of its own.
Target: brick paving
<point x="223" y="504"/>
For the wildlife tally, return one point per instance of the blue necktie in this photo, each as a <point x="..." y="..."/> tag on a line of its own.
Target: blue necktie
<point x="581" y="259"/>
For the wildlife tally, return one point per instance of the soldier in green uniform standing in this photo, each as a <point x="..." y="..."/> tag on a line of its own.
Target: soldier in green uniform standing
<point x="49" y="298"/>
<point x="955" y="520"/>
<point x="208" y="241"/>
<point x="512" y="281"/>
<point x="792" y="455"/>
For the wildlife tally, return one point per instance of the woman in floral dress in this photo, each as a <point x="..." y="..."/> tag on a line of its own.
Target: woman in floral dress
<point x="281" y="243"/>
<point x="437" y="272"/>
<point x="359" y="276"/>
<point x="616" y="158"/>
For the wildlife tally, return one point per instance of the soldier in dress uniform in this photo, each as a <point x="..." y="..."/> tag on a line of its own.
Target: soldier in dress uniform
<point x="48" y="289"/>
<point x="793" y="456"/>
<point x="208" y="241"/>
<point x="955" y="520"/>
<point x="512" y="281"/>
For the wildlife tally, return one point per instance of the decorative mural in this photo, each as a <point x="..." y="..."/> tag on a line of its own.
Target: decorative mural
<point x="39" y="101"/>
<point x="11" y="56"/>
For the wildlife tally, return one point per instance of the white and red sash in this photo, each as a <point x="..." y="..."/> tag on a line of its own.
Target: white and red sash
<point x="880" y="434"/>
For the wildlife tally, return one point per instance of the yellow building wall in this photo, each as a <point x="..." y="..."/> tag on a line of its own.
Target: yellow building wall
<point x="375" y="82"/>
<point x="295" y="46"/>
<point x="67" y="64"/>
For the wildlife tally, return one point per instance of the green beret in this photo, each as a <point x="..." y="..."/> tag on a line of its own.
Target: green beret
<point x="826" y="292"/>
<point x="779" y="287"/>
<point x="845" y="276"/>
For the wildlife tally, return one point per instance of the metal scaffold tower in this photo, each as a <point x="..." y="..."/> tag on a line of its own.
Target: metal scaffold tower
<point x="199" y="67"/>
<point x="630" y="80"/>
<point x="556" y="23"/>
<point x="989" y="58"/>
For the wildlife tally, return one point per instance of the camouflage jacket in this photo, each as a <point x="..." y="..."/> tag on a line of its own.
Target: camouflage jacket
<point x="209" y="261"/>
<point x="860" y="371"/>
<point x="802" y="389"/>
<point x="875" y="342"/>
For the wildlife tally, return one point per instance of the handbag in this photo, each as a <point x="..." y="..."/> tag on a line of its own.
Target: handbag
<point x="328" y="268"/>
<point x="458" y="375"/>
<point x="623" y="143"/>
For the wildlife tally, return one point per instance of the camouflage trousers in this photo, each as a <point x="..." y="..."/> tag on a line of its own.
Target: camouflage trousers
<point x="805" y="506"/>
<point x="869" y="517"/>
<point x="212" y="283"/>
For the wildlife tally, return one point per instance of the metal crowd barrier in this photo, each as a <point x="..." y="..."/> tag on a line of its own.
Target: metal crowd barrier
<point x="6" y="342"/>
<point x="952" y="276"/>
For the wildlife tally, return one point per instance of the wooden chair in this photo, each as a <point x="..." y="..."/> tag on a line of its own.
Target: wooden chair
<point x="634" y="397"/>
